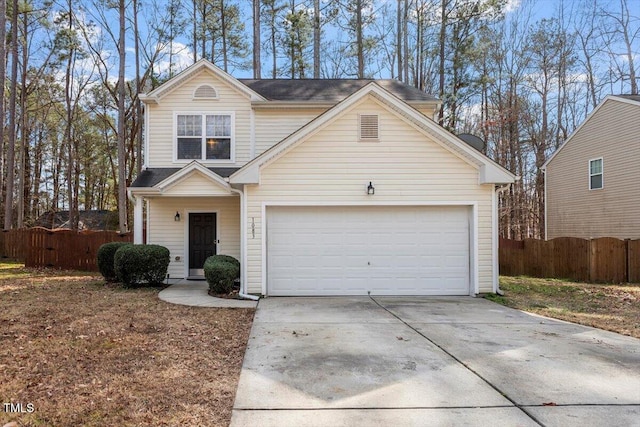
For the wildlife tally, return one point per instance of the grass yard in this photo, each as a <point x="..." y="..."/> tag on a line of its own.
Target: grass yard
<point x="81" y="353"/>
<point x="606" y="306"/>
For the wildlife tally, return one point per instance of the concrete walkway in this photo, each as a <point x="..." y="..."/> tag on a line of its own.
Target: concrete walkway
<point x="194" y="293"/>
<point x="431" y="362"/>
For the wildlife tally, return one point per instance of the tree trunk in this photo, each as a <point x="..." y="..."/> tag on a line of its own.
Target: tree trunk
<point x="274" y="64"/>
<point x="194" y="31"/>
<point x="629" y="47"/>
<point x="257" y="72"/>
<point x="316" y="39"/>
<point x="399" y="21"/>
<point x="3" y="72"/>
<point x="122" y="190"/>
<point x="442" y="41"/>
<point x="138" y="104"/>
<point x="223" y="35"/>
<point x="359" y="41"/>
<point x="405" y="35"/>
<point x="8" y="207"/>
<point x="73" y="224"/>
<point x="24" y="142"/>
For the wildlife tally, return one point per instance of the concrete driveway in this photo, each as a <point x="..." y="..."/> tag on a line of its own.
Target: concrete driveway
<point x="394" y="361"/>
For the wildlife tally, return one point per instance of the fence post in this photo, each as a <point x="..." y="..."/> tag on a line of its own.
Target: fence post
<point x="592" y="260"/>
<point x="626" y="261"/>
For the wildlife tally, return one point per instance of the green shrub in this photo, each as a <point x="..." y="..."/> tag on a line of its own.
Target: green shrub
<point x="105" y="259"/>
<point x="138" y="264"/>
<point x="221" y="272"/>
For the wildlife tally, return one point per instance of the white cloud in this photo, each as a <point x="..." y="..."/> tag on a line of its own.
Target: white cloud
<point x="182" y="57"/>
<point x="512" y="5"/>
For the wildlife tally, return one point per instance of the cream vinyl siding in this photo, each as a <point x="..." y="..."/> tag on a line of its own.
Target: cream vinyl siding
<point x="195" y="184"/>
<point x="429" y="112"/>
<point x="180" y="100"/>
<point x="272" y="126"/>
<point x="611" y="133"/>
<point x="332" y="167"/>
<point x="164" y="230"/>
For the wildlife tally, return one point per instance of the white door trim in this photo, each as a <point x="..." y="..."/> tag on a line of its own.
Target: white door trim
<point x="474" y="285"/>
<point x="186" y="213"/>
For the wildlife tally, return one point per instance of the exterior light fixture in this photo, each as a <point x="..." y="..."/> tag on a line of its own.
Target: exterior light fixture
<point x="177" y="217"/>
<point x="371" y="189"/>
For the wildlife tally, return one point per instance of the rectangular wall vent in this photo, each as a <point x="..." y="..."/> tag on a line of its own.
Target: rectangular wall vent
<point x="369" y="127"/>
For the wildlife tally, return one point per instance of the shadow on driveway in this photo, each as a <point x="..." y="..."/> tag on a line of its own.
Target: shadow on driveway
<point x="431" y="361"/>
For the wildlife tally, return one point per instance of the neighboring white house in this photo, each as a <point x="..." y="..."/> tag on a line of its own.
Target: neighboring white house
<point x="318" y="187"/>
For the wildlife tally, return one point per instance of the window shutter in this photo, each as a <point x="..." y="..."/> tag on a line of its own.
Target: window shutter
<point x="205" y="92"/>
<point x="369" y="127"/>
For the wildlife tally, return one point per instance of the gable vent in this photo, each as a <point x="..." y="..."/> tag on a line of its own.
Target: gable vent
<point x="205" y="92"/>
<point x="368" y="126"/>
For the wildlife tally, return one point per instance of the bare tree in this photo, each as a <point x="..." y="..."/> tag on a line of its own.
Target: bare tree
<point x="3" y="69"/>
<point x="11" y="143"/>
<point x="623" y="29"/>
<point x="122" y="184"/>
<point x="316" y="39"/>
<point x="257" y="66"/>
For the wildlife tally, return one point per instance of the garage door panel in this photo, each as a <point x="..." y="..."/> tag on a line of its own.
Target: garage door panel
<point x="390" y="250"/>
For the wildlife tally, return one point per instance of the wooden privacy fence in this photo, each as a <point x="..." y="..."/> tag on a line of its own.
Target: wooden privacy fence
<point x="64" y="249"/>
<point x="13" y="244"/>
<point x="605" y="259"/>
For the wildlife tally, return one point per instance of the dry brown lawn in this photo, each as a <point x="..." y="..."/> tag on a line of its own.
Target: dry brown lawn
<point x="613" y="307"/>
<point x="88" y="354"/>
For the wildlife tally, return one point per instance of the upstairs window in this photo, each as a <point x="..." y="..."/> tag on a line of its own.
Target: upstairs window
<point x="204" y="137"/>
<point x="595" y="174"/>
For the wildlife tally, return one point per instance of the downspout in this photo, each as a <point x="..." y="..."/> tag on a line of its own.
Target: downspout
<point x="243" y="247"/>
<point x="544" y="174"/>
<point x="498" y="190"/>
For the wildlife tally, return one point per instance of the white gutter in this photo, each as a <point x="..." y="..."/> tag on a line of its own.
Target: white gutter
<point x="243" y="247"/>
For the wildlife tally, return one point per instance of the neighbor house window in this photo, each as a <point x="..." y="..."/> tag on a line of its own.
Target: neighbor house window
<point x="595" y="174"/>
<point x="204" y="136"/>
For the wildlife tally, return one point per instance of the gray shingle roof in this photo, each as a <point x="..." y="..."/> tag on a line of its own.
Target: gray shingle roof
<point x="152" y="176"/>
<point x="329" y="90"/>
<point x="631" y="97"/>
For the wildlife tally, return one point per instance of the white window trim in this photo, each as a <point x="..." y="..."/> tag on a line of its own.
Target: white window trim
<point x="203" y="159"/>
<point x="601" y="173"/>
<point x="360" y="138"/>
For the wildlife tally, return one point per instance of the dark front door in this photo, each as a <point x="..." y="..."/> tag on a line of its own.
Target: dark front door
<point x="202" y="241"/>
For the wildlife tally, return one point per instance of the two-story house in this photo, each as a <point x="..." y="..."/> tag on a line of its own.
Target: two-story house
<point x="318" y="187"/>
<point x="592" y="182"/>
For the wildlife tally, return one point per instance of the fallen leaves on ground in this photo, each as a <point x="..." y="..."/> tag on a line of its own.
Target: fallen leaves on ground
<point x="613" y="307"/>
<point x="90" y="354"/>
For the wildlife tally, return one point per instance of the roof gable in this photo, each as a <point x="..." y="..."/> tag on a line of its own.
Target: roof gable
<point x="194" y="179"/>
<point x="489" y="171"/>
<point x="632" y="100"/>
<point x="202" y="65"/>
<point x="175" y="183"/>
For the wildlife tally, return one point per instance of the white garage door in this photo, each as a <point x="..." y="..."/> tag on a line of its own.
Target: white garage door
<point x="350" y="250"/>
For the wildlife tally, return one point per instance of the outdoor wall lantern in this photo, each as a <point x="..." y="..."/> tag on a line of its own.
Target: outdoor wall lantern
<point x="371" y="189"/>
<point x="177" y="217"/>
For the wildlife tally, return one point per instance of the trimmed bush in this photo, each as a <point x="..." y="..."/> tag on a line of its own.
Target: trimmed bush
<point x="221" y="272"/>
<point x="105" y="256"/>
<point x="138" y="264"/>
